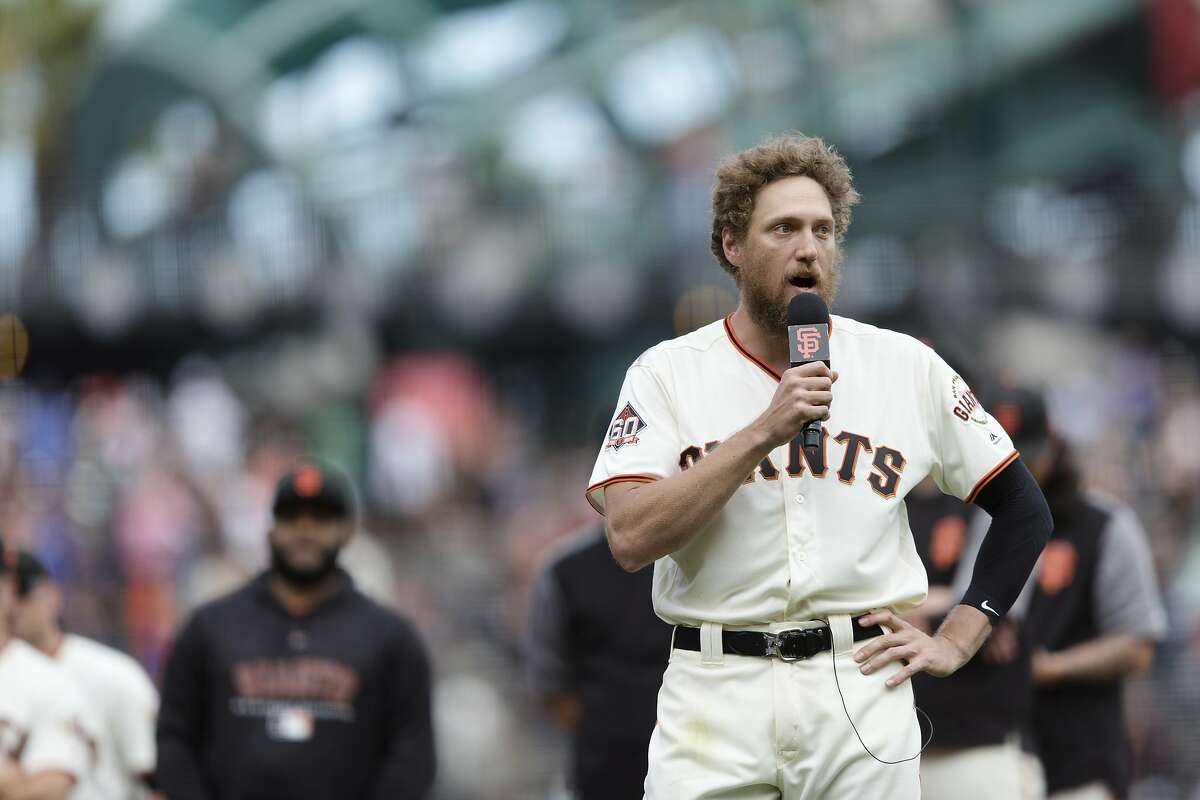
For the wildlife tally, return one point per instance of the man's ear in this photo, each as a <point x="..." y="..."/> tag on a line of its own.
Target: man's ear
<point x="348" y="530"/>
<point x="732" y="247"/>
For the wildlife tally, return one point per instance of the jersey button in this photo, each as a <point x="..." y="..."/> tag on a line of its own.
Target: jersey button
<point x="801" y="555"/>
<point x="800" y="499"/>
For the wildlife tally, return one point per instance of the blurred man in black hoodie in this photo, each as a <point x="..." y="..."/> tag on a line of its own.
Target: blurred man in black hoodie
<point x="298" y="685"/>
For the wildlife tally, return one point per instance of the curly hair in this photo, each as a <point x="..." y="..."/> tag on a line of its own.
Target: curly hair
<point x="740" y="176"/>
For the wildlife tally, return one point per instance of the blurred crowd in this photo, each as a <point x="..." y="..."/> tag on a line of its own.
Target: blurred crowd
<point x="146" y="498"/>
<point x="479" y="213"/>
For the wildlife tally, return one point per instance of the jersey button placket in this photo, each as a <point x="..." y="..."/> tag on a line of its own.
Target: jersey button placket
<point x="796" y="508"/>
<point x="808" y="550"/>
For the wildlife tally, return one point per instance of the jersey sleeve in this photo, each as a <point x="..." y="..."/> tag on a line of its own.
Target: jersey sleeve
<point x="63" y="737"/>
<point x="642" y="441"/>
<point x="134" y="714"/>
<point x="970" y="446"/>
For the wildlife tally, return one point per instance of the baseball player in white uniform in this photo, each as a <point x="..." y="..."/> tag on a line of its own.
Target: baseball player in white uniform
<point x="120" y="695"/>
<point x="778" y="566"/>
<point x="46" y="740"/>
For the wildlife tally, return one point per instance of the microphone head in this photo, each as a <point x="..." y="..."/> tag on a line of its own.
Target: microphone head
<point x="807" y="308"/>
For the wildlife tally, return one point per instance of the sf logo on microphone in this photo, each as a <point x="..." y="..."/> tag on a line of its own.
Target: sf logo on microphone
<point x="808" y="341"/>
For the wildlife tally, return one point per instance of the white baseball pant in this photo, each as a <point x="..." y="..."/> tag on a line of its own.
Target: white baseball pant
<point x="755" y="727"/>
<point x="991" y="772"/>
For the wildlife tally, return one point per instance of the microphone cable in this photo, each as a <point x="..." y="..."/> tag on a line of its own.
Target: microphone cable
<point x="833" y="661"/>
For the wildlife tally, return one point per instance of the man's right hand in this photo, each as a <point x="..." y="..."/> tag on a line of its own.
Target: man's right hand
<point x="804" y="394"/>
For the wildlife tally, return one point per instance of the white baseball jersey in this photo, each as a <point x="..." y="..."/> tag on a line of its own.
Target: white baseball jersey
<point x="800" y="540"/>
<point x="125" y="704"/>
<point x="43" y="722"/>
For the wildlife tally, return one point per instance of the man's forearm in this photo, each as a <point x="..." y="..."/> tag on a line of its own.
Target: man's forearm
<point x="1021" y="525"/>
<point x="49" y="785"/>
<point x="966" y="628"/>
<point x="1104" y="660"/>
<point x="656" y="519"/>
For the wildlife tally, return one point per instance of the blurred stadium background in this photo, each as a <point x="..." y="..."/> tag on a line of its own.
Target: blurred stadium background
<point x="424" y="239"/>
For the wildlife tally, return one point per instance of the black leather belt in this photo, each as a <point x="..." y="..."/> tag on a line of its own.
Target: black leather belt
<point x="789" y="645"/>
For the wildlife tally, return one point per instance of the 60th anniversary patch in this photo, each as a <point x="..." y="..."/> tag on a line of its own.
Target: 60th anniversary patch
<point x="625" y="428"/>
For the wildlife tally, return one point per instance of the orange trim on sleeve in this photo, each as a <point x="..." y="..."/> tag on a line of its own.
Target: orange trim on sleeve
<point x="631" y="478"/>
<point x="993" y="472"/>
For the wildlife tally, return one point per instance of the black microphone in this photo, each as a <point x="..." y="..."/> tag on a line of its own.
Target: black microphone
<point x="808" y="341"/>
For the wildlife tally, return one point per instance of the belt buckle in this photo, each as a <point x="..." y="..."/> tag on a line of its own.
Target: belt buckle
<point x="794" y="644"/>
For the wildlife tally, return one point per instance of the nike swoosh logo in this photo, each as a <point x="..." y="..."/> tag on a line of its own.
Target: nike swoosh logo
<point x="984" y="605"/>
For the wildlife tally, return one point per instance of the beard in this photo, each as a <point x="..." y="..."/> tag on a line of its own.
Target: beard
<point x="302" y="578"/>
<point x="768" y="307"/>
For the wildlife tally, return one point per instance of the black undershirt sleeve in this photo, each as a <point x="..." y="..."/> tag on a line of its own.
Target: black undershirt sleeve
<point x="1021" y="525"/>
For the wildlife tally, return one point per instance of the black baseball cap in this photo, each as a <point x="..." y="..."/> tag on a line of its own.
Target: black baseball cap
<point x="316" y="487"/>
<point x="1021" y="411"/>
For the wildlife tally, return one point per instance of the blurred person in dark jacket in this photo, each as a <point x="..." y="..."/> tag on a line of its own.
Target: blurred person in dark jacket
<point x="298" y="685"/>
<point x="596" y="655"/>
<point x="979" y="713"/>
<point x="1091" y="613"/>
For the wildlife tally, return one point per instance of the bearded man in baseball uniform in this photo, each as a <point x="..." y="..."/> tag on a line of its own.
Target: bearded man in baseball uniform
<point x="785" y="569"/>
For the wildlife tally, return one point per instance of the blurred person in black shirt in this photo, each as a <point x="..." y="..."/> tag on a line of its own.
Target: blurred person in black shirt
<point x="596" y="656"/>
<point x="1090" y="612"/>
<point x="298" y="685"/>
<point x="980" y="713"/>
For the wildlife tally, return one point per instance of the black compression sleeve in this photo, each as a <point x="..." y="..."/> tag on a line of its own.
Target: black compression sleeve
<point x="1021" y="525"/>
